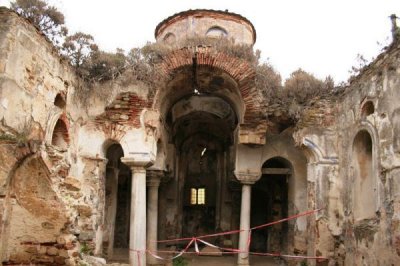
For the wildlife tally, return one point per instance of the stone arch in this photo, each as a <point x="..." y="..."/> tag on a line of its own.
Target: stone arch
<point x="239" y="70"/>
<point x="53" y="117"/>
<point x="107" y="144"/>
<point x="314" y="153"/>
<point x="311" y="151"/>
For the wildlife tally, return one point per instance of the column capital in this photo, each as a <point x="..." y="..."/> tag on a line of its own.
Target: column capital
<point x="154" y="177"/>
<point x="139" y="160"/>
<point x="248" y="178"/>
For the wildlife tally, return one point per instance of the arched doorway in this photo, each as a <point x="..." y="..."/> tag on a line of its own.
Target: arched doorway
<point x="117" y="205"/>
<point x="203" y="128"/>
<point x="269" y="202"/>
<point x="200" y="108"/>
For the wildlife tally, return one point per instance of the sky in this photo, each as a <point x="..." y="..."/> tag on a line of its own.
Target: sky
<point x="322" y="37"/>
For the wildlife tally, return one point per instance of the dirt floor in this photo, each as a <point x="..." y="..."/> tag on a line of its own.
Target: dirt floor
<point x="194" y="260"/>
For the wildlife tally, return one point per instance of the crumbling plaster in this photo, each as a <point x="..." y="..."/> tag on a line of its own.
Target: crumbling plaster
<point x="320" y="149"/>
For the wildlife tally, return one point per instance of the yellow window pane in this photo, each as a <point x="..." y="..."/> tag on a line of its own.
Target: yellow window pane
<point x="193" y="196"/>
<point x="201" y="196"/>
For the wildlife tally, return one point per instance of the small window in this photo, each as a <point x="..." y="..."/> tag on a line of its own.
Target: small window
<point x="59" y="101"/>
<point x="169" y="38"/>
<point x="216" y="32"/>
<point x="197" y="196"/>
<point x="367" y="109"/>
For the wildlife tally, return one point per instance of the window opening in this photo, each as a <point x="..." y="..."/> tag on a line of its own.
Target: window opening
<point x="197" y="196"/>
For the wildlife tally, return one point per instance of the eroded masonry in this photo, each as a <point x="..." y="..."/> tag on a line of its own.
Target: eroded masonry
<point x="196" y="155"/>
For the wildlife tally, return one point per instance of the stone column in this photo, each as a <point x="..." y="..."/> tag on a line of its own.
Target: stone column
<point x="153" y="183"/>
<point x="137" y="232"/>
<point x="247" y="179"/>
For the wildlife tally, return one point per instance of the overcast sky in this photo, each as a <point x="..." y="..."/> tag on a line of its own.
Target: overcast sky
<point x="322" y="37"/>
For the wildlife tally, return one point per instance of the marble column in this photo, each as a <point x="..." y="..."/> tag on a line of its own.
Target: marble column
<point x="137" y="232"/>
<point x="153" y="183"/>
<point x="247" y="180"/>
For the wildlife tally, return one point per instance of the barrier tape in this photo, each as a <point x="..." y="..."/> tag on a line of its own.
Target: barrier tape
<point x="195" y="240"/>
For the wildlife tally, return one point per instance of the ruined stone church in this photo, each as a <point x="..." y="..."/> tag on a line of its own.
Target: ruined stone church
<point x="143" y="173"/>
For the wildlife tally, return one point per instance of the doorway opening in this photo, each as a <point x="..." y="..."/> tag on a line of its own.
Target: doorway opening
<point x="269" y="202"/>
<point x="117" y="205"/>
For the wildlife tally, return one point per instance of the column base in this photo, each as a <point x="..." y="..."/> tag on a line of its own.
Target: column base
<point x="243" y="263"/>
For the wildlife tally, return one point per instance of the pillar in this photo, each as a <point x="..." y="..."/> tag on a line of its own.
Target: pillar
<point x="246" y="179"/>
<point x="137" y="232"/>
<point x="153" y="183"/>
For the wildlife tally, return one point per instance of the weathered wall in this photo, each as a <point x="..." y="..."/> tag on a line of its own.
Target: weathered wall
<point x="352" y="168"/>
<point x="251" y="159"/>
<point x="199" y="22"/>
<point x="53" y="192"/>
<point x="369" y="170"/>
<point x="31" y="76"/>
<point x="34" y="213"/>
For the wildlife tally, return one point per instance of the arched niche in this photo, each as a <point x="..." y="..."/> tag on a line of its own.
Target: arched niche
<point x="60" y="137"/>
<point x="367" y="109"/>
<point x="396" y="130"/>
<point x="169" y="38"/>
<point x="216" y="31"/>
<point x="59" y="101"/>
<point x="365" y="183"/>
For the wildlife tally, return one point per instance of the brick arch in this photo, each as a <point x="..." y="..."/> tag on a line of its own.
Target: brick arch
<point x="240" y="71"/>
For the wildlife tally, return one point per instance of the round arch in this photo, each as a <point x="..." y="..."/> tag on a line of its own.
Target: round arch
<point x="240" y="71"/>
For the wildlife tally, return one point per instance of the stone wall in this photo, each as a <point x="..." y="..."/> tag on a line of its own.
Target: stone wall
<point x="206" y="23"/>
<point x="56" y="131"/>
<point x="369" y="162"/>
<point x="50" y="114"/>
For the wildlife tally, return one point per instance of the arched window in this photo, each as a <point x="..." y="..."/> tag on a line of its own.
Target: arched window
<point x="60" y="135"/>
<point x="367" y="109"/>
<point x="59" y="101"/>
<point x="216" y="31"/>
<point x="364" y="184"/>
<point x="169" y="38"/>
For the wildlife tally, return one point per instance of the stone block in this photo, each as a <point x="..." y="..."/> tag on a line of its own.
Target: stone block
<point x="32" y="249"/>
<point x="94" y="261"/>
<point x="84" y="210"/>
<point x="59" y="260"/>
<point x="72" y="183"/>
<point x="63" y="253"/>
<point x="52" y="251"/>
